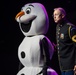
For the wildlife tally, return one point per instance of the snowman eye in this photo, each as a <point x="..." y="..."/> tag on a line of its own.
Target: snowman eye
<point x="28" y="10"/>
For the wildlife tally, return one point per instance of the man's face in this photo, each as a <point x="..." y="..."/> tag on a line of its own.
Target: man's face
<point x="57" y="16"/>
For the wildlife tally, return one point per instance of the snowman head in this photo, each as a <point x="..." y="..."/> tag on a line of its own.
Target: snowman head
<point x="33" y="19"/>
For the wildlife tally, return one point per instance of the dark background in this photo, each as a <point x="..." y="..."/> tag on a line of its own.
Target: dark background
<point x="11" y="36"/>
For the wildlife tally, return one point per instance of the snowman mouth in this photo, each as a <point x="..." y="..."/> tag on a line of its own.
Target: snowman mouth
<point x="26" y="27"/>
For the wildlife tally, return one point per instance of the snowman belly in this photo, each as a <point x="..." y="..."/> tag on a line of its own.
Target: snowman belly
<point x="29" y="52"/>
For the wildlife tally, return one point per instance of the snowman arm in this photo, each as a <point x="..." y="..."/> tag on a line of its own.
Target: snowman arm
<point x="45" y="49"/>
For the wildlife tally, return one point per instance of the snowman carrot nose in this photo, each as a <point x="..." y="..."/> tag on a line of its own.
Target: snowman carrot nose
<point x="19" y="14"/>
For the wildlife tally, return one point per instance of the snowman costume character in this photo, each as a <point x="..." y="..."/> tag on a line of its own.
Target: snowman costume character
<point x="36" y="50"/>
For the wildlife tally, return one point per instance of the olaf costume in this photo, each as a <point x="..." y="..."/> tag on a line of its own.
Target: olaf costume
<point x="36" y="50"/>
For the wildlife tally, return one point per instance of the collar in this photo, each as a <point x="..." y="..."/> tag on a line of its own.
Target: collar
<point x="62" y="23"/>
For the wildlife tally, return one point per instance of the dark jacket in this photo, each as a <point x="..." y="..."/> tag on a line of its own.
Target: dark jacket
<point x="66" y="41"/>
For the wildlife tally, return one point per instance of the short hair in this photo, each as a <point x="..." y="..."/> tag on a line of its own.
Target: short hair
<point x="61" y="10"/>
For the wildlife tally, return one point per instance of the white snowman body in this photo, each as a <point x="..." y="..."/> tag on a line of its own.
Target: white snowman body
<point x="32" y="60"/>
<point x="31" y="47"/>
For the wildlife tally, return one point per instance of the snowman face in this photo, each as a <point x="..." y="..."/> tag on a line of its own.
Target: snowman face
<point x="33" y="19"/>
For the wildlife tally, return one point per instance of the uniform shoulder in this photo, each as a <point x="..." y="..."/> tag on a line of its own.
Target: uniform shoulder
<point x="71" y="25"/>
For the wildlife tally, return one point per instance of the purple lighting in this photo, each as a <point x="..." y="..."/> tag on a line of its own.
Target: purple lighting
<point x="51" y="71"/>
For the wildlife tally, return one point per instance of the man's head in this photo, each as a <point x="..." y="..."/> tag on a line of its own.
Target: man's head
<point x="59" y="14"/>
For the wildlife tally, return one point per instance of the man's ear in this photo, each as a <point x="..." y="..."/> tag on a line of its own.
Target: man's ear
<point x="63" y="15"/>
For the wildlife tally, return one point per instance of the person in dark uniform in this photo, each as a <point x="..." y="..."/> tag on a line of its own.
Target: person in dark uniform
<point x="66" y="42"/>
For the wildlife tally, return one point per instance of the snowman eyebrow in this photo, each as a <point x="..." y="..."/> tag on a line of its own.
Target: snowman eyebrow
<point x="31" y="5"/>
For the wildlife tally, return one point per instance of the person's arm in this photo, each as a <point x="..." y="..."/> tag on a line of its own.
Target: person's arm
<point x="73" y="37"/>
<point x="73" y="34"/>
